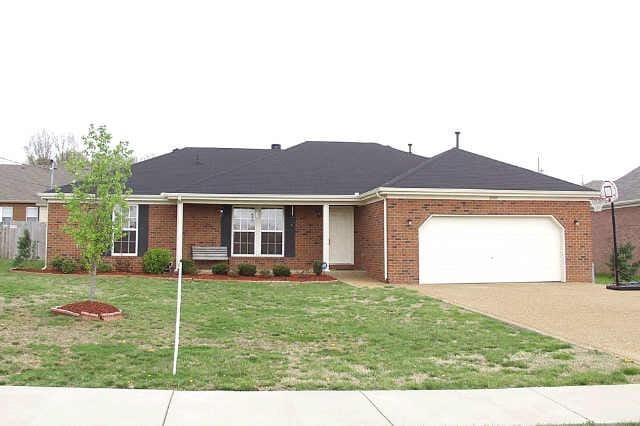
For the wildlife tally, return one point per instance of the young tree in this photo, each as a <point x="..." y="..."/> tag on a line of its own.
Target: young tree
<point x="24" y="248"/>
<point x="627" y="268"/>
<point x="98" y="197"/>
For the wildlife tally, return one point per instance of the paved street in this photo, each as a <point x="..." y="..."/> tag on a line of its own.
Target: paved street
<point x="75" y="406"/>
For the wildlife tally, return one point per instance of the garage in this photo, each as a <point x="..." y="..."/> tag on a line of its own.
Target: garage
<point x="483" y="249"/>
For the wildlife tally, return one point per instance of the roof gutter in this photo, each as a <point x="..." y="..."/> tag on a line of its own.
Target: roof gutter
<point x="479" y="193"/>
<point x="369" y="196"/>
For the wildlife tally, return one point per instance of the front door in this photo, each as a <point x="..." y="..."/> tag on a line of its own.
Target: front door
<point x="341" y="235"/>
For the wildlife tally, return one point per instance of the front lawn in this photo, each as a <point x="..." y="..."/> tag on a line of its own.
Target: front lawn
<point x="274" y="336"/>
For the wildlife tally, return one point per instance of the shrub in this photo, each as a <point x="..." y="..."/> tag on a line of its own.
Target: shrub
<point x="104" y="267"/>
<point x="189" y="267"/>
<point x="247" y="269"/>
<point x="156" y="261"/>
<point x="66" y="265"/>
<point x="317" y="267"/>
<point x="281" y="270"/>
<point x="627" y="269"/>
<point x="24" y="248"/>
<point x="220" y="268"/>
<point x="265" y="272"/>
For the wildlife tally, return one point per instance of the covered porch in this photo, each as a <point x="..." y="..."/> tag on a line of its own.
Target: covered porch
<point x="266" y="234"/>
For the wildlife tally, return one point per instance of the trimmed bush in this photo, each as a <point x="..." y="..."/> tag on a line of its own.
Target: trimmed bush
<point x="156" y="261"/>
<point x="66" y="265"/>
<point x="265" y="272"/>
<point x="189" y="267"/>
<point x="247" y="269"/>
<point x="317" y="267"/>
<point x="281" y="270"/>
<point x="104" y="267"/>
<point x="220" y="268"/>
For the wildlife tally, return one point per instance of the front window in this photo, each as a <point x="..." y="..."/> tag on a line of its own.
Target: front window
<point x="32" y="214"/>
<point x="127" y="244"/>
<point x="7" y="215"/>
<point x="258" y="231"/>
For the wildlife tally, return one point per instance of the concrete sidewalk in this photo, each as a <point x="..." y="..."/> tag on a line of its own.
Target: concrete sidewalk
<point x="76" y="406"/>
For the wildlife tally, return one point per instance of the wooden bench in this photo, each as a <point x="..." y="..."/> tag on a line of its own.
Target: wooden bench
<point x="209" y="253"/>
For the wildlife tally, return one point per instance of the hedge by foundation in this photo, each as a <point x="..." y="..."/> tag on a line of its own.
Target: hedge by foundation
<point x="196" y="277"/>
<point x="90" y="310"/>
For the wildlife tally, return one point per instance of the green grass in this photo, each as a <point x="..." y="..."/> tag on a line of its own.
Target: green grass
<point x="275" y="336"/>
<point x="608" y="278"/>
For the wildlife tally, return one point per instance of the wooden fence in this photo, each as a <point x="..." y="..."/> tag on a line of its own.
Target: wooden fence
<point x="9" y="236"/>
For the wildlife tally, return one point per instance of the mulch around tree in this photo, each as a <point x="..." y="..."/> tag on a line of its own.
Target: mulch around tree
<point x="208" y="277"/>
<point x="89" y="309"/>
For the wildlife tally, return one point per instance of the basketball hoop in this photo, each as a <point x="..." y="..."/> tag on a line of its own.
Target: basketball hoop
<point x="597" y="204"/>
<point x="608" y="195"/>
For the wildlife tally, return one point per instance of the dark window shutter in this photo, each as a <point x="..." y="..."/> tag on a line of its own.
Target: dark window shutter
<point x="289" y="231"/>
<point x="225" y="228"/>
<point x="143" y="229"/>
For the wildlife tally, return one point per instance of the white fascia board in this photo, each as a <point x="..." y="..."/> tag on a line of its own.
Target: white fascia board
<point x="134" y="198"/>
<point x="484" y="194"/>
<point x="264" y="198"/>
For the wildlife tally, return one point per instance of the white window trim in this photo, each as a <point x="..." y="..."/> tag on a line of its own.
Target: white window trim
<point x="257" y="242"/>
<point x="2" y="208"/>
<point x="137" y="229"/>
<point x="26" y="214"/>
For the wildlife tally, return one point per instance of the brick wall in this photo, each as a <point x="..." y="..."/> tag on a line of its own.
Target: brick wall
<point x="369" y="239"/>
<point x="201" y="226"/>
<point x="162" y="234"/>
<point x="627" y="231"/>
<point x="403" y="238"/>
<point x="19" y="209"/>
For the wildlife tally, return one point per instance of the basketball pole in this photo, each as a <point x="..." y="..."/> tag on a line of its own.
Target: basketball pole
<point x="615" y="243"/>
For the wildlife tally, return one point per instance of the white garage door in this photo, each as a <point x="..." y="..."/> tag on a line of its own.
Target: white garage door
<point x="482" y="249"/>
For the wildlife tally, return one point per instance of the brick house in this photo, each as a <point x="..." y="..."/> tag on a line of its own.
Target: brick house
<point x="627" y="210"/>
<point x="455" y="217"/>
<point x="19" y="188"/>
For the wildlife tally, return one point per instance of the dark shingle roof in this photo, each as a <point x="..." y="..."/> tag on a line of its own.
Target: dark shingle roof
<point x="23" y="182"/>
<point x="460" y="169"/>
<point x="312" y="168"/>
<point x="328" y="168"/>
<point x="174" y="170"/>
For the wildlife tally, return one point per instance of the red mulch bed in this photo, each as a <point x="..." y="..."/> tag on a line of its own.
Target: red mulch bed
<point x="89" y="309"/>
<point x="212" y="277"/>
<point x="90" y="306"/>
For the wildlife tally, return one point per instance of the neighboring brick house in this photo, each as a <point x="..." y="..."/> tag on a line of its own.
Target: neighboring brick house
<point x="455" y="217"/>
<point x="627" y="210"/>
<point x="19" y="188"/>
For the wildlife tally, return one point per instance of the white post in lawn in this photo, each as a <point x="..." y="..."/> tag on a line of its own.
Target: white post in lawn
<point x="177" y="337"/>
<point x="179" y="224"/>
<point x="325" y="234"/>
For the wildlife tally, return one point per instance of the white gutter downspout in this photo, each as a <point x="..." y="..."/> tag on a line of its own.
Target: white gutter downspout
<point x="384" y="216"/>
<point x="46" y="238"/>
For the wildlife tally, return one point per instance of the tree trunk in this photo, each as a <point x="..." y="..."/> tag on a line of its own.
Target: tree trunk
<point x="92" y="285"/>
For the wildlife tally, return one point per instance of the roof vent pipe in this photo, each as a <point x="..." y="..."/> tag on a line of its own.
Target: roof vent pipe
<point x="410" y="145"/>
<point x="275" y="146"/>
<point x="458" y="139"/>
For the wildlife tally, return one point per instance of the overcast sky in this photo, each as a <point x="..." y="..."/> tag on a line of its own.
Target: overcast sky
<point x="559" y="79"/>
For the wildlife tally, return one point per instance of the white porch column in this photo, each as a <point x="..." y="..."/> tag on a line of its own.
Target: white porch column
<point x="179" y="226"/>
<point x="325" y="234"/>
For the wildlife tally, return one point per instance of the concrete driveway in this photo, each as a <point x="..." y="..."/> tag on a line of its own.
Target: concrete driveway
<point x="584" y="314"/>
